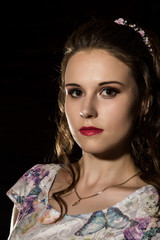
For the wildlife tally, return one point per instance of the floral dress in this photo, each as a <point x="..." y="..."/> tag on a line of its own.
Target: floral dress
<point x="129" y="219"/>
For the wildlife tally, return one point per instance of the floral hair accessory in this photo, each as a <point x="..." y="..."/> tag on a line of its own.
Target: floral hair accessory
<point x="146" y="41"/>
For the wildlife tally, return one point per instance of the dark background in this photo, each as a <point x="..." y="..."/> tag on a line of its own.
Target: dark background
<point x="32" y="38"/>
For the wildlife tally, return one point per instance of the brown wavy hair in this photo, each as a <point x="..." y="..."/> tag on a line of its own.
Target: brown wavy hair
<point x="124" y="43"/>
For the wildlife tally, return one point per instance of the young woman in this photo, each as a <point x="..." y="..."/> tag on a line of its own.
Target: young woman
<point x="109" y="105"/>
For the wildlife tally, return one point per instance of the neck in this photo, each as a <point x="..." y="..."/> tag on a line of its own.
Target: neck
<point x="96" y="170"/>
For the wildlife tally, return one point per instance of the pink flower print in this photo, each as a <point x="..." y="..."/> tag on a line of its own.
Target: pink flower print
<point x="38" y="205"/>
<point x="154" y="223"/>
<point x="47" y="217"/>
<point x="35" y="174"/>
<point x="137" y="232"/>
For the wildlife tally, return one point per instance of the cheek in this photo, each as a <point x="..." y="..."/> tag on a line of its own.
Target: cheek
<point x="71" y="114"/>
<point x="120" y="117"/>
<point x="116" y="117"/>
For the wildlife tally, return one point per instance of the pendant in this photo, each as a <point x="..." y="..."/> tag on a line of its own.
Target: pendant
<point x="77" y="202"/>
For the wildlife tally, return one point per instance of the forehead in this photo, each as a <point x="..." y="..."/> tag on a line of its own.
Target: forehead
<point x="96" y="65"/>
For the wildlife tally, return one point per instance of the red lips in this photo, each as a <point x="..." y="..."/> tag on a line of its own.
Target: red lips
<point x="90" y="131"/>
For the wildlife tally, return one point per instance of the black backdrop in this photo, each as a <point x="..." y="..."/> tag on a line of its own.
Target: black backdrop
<point x="32" y="38"/>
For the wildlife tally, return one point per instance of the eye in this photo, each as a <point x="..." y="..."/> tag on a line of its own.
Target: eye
<point x="75" y="92"/>
<point x="109" y="92"/>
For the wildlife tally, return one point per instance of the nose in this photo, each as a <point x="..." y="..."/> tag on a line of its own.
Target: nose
<point x="88" y="108"/>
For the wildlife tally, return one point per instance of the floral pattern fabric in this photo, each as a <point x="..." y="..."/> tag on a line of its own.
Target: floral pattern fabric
<point x="130" y="219"/>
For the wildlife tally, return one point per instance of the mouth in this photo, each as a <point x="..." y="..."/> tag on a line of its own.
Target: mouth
<point x="90" y="131"/>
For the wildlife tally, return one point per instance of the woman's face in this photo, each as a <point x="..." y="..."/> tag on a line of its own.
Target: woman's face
<point x="101" y="101"/>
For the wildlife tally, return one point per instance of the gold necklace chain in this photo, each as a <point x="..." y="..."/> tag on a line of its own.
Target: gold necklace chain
<point x="100" y="192"/>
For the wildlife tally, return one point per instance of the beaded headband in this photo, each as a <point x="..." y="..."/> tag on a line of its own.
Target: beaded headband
<point x="146" y="41"/>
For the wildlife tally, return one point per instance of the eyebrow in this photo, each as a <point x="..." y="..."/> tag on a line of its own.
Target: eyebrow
<point x="109" y="82"/>
<point x="100" y="84"/>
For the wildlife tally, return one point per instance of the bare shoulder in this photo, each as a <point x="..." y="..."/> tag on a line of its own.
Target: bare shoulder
<point x="140" y="183"/>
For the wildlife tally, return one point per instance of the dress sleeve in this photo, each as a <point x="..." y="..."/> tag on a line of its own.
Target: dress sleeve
<point x="28" y="184"/>
<point x="153" y="229"/>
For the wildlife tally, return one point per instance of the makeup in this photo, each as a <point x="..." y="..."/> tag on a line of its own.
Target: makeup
<point x="90" y="131"/>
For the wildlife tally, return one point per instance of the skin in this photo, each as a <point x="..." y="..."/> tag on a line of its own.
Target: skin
<point x="100" y="92"/>
<point x="111" y="107"/>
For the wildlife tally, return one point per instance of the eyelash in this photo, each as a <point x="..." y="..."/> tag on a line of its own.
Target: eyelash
<point x="113" y="91"/>
<point x="71" y="91"/>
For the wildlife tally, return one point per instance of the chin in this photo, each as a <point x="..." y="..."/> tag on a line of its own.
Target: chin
<point x="93" y="149"/>
<point x="105" y="151"/>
